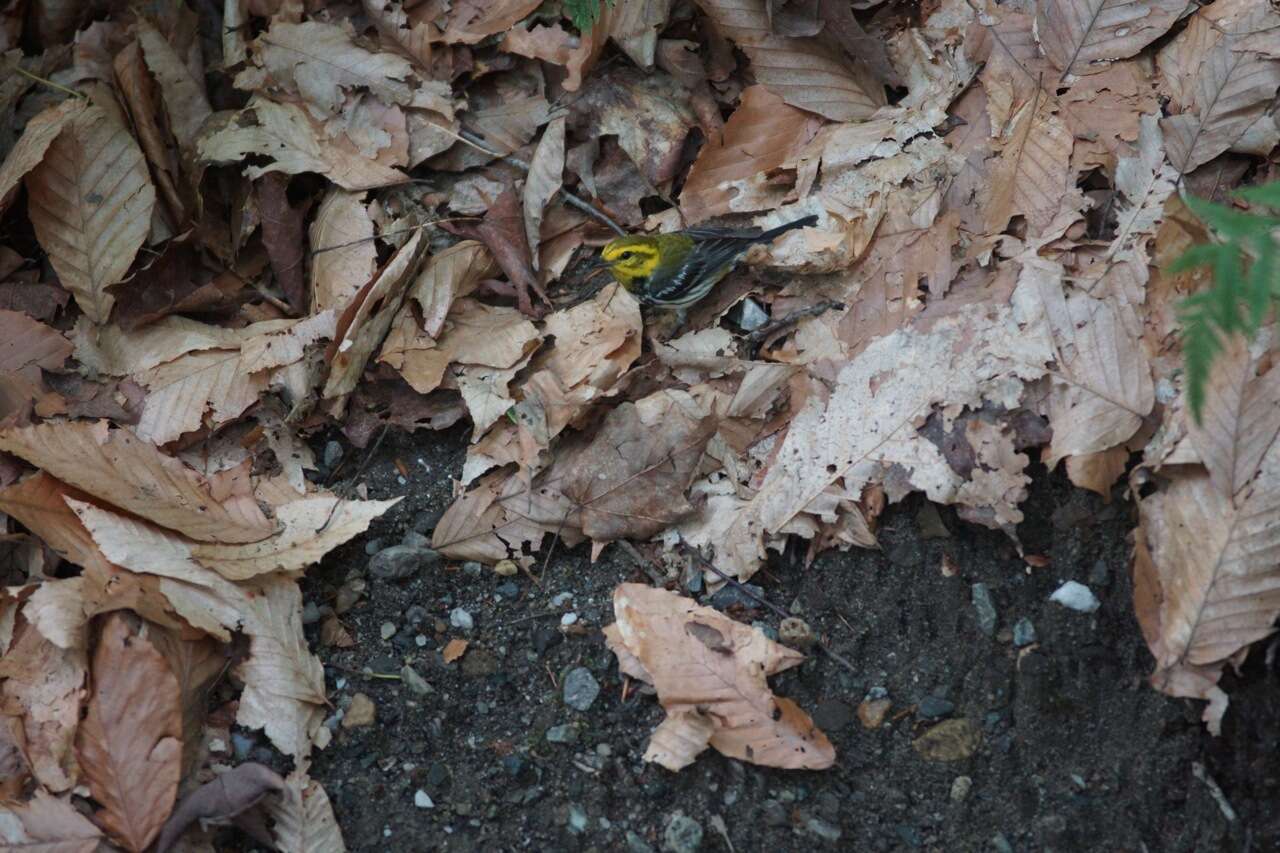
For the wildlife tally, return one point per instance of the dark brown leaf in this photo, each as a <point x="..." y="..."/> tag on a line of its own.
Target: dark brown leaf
<point x="227" y="796"/>
<point x="284" y="236"/>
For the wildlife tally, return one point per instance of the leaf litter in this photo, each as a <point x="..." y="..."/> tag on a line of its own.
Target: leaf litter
<point x="227" y="246"/>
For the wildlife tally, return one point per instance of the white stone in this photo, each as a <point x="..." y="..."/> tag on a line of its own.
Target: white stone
<point x="1076" y="596"/>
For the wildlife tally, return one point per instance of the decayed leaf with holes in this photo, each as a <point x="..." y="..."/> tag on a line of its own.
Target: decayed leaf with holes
<point x="489" y="523"/>
<point x="1082" y="36"/>
<point x="304" y="821"/>
<point x="368" y="317"/>
<point x="284" y="691"/>
<point x="1223" y="71"/>
<point x="546" y="175"/>
<point x="871" y="420"/>
<point x="114" y="465"/>
<point x="762" y="134"/>
<point x="343" y="256"/>
<point x="413" y="38"/>
<point x="293" y="141"/>
<point x="1145" y="181"/>
<point x="1213" y="578"/>
<point x="320" y="62"/>
<point x="1031" y="176"/>
<point x="90" y="200"/>
<point x="711" y="674"/>
<point x="42" y="691"/>
<point x="1240" y="419"/>
<point x="803" y="71"/>
<point x="34" y="143"/>
<point x="1102" y="388"/>
<point x="130" y="743"/>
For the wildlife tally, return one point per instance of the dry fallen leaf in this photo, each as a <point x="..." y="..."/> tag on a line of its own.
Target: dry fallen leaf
<point x="90" y="201"/>
<point x="711" y="673"/>
<point x="304" y="821"/>
<point x="231" y="793"/>
<point x="1081" y="36"/>
<point x="130" y="744"/>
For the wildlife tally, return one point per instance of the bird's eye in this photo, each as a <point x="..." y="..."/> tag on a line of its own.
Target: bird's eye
<point x="624" y="256"/>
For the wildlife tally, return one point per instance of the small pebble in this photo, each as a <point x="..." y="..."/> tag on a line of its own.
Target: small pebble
<point x="960" y="788"/>
<point x="310" y="613"/>
<point x="568" y="619"/>
<point x="414" y="539"/>
<point x="683" y="834"/>
<point x="402" y="561"/>
<point x="415" y="682"/>
<point x="388" y="630"/>
<point x="242" y="745"/>
<point x="422" y="800"/>
<point x="561" y="599"/>
<point x="420" y="641"/>
<point x="332" y="454"/>
<point x="766" y="629"/>
<point x="460" y="618"/>
<point x="986" y="609"/>
<point x="796" y="632"/>
<point x="932" y="707"/>
<point x="1076" y="596"/>
<point x="580" y="688"/>
<point x="826" y="831"/>
<point x="473" y="568"/>
<point x="1024" y="633"/>
<point x="577" y="819"/>
<point x="506" y="568"/>
<point x="871" y="712"/>
<point x="752" y="316"/>
<point x="566" y="733"/>
<point x="1001" y="844"/>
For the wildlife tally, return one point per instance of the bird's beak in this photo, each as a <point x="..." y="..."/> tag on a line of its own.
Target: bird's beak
<point x="597" y="264"/>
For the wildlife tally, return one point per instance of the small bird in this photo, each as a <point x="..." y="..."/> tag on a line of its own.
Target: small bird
<point x="676" y="270"/>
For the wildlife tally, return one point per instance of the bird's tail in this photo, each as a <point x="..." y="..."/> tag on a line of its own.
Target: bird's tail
<point x="802" y="222"/>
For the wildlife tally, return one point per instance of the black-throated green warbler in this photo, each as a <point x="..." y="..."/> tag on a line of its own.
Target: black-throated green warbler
<point x="676" y="270"/>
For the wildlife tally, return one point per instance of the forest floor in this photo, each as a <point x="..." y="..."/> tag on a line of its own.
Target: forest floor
<point x="1074" y="750"/>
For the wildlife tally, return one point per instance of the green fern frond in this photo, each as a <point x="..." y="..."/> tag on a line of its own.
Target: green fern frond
<point x="584" y="13"/>
<point x="1245" y="266"/>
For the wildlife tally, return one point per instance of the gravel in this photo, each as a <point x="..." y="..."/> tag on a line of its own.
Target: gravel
<point x="580" y="688"/>
<point x="461" y="619"/>
<point x="1074" y="595"/>
<point x="986" y="609"/>
<point x="402" y="561"/>
<point x="683" y="834"/>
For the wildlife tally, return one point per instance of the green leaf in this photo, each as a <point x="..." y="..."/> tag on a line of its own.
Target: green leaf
<point x="583" y="13"/>
<point x="1267" y="194"/>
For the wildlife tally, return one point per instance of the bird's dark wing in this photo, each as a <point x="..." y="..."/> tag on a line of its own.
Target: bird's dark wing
<point x="705" y="264"/>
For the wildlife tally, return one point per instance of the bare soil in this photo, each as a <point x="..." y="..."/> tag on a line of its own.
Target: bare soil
<point x="1076" y="751"/>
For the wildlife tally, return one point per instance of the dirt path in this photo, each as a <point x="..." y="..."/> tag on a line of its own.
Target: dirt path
<point x="1074" y="751"/>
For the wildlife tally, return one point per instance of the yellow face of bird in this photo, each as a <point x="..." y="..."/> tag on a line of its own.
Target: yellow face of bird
<point x="631" y="260"/>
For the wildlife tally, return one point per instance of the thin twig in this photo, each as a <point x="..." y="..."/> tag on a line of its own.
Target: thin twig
<point x="761" y="334"/>
<point x="385" y="676"/>
<point x="572" y="200"/>
<point x="736" y="584"/>
<point x="409" y="230"/>
<point x="531" y="618"/>
<point x="36" y="77"/>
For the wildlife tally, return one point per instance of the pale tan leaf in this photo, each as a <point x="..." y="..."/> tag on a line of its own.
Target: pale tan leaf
<point x="368" y="318"/>
<point x="304" y="821"/>
<point x="56" y="608"/>
<point x="680" y="739"/>
<point x="1032" y="173"/>
<point x="634" y="25"/>
<point x="1222" y="75"/>
<point x="1100" y="471"/>
<point x="475" y="20"/>
<point x="321" y="62"/>
<point x="703" y="662"/>
<point x="184" y="97"/>
<point x="1240" y="419"/>
<point x="546" y="176"/>
<point x="53" y="825"/>
<point x="448" y="276"/>
<point x="130" y="743"/>
<point x="1216" y="568"/>
<point x="869" y="424"/>
<point x="1146" y="181"/>
<point x="90" y="201"/>
<point x="414" y="38"/>
<point x="34" y="142"/>
<point x="1082" y="36"/>
<point x="343" y="255"/>
<point x="283" y="682"/>
<point x="762" y="134"/>
<point x="803" y="71"/>
<point x="294" y="142"/>
<point x="489" y="523"/>
<point x="1102" y="388"/>
<point x="27" y="345"/>
<point x="112" y="350"/>
<point x="114" y="465"/>
<point x="310" y="528"/>
<point x="43" y="690"/>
